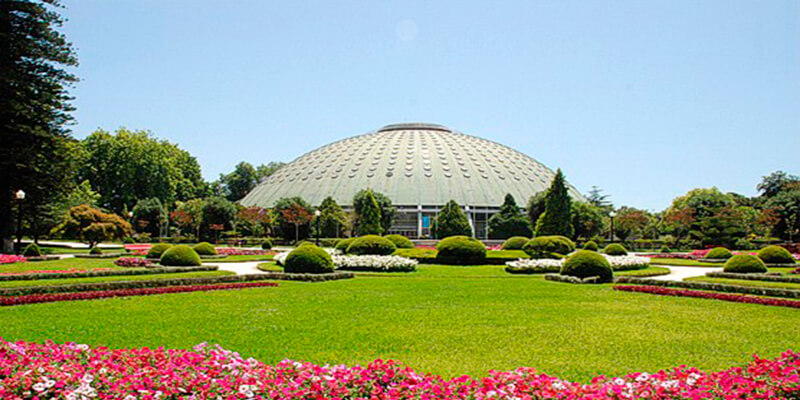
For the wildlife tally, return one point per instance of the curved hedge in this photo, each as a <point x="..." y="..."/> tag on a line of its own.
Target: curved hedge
<point x="205" y="249"/>
<point x="549" y="246"/>
<point x="180" y="256"/>
<point x="32" y="250"/>
<point x="591" y="246"/>
<point x="615" y="249"/>
<point x="744" y="263"/>
<point x="461" y="250"/>
<point x="400" y="241"/>
<point x="371" y="245"/>
<point x="308" y="259"/>
<point x="343" y="244"/>
<point x="158" y="250"/>
<point x="719" y="253"/>
<point x="515" y="243"/>
<point x="775" y="255"/>
<point x="585" y="264"/>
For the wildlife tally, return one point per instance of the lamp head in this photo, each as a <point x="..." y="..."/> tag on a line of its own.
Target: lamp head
<point x="20" y="195"/>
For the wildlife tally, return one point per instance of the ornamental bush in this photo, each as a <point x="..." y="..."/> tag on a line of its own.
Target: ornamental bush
<point x="308" y="259"/>
<point x="515" y="243"/>
<point x="666" y="249"/>
<point x="158" y="250"/>
<point x="775" y="255"/>
<point x="205" y="249"/>
<point x="180" y="256"/>
<point x="615" y="249"/>
<point x="95" y="251"/>
<point x="400" y="241"/>
<point x="266" y="244"/>
<point x="343" y="244"/>
<point x="744" y="263"/>
<point x="371" y="244"/>
<point x="549" y="246"/>
<point x="591" y="246"/>
<point x="32" y="250"/>
<point x="461" y="250"/>
<point x="719" y="253"/>
<point x="585" y="264"/>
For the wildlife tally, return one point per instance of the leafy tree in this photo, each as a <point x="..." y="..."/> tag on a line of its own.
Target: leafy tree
<point x="93" y="226"/>
<point x="294" y="222"/>
<point x="35" y="108"/>
<point x="265" y="170"/>
<point x="240" y="182"/>
<point x="587" y="219"/>
<point x="219" y="212"/>
<point x="630" y="222"/>
<point x="716" y="219"/>
<point x="536" y="205"/>
<point x="451" y="221"/>
<point x="785" y="206"/>
<point x="81" y="194"/>
<point x="182" y="220"/>
<point x="194" y="209"/>
<point x="775" y="182"/>
<point x="678" y="223"/>
<point x="297" y="215"/>
<point x="368" y="213"/>
<point x="256" y="220"/>
<point x="509" y="221"/>
<point x="150" y="216"/>
<point x="333" y="220"/>
<point x="387" y="211"/>
<point x="598" y="199"/>
<point x="556" y="219"/>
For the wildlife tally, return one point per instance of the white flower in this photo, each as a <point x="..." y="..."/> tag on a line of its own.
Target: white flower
<point x="82" y="347"/>
<point x="643" y="377"/>
<point x="619" y="381"/>
<point x="383" y="263"/>
<point x="39" y="387"/>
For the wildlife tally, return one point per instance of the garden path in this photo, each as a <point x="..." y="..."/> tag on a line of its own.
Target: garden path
<point x="239" y="268"/>
<point x="680" y="273"/>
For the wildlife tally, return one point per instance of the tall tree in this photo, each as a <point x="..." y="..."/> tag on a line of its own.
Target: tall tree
<point x="240" y="182"/>
<point x="597" y="198"/>
<point x="387" y="211"/>
<point x="451" y="221"/>
<point x="93" y="226"/>
<point x="630" y="222"/>
<point x="150" y="215"/>
<point x="265" y="170"/>
<point x="587" y="219"/>
<point x="775" y="182"/>
<point x="219" y="212"/>
<point x="368" y="213"/>
<point x="287" y="227"/>
<point x="34" y="107"/>
<point x="333" y="220"/>
<point x="509" y="221"/>
<point x="556" y="219"/>
<point x="536" y="206"/>
<point x="297" y="215"/>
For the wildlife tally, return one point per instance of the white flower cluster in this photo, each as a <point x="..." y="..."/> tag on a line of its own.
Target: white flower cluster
<point x="374" y="263"/>
<point x="541" y="265"/>
<point x="624" y="263"/>
<point x="280" y="257"/>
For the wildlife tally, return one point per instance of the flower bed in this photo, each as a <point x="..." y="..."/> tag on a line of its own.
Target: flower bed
<point x="718" y="287"/>
<point x="133" y="262"/>
<point x="374" y="263"/>
<point x="102" y="294"/>
<point x="738" y="298"/>
<point x="544" y="265"/>
<point x="233" y="251"/>
<point x="671" y="255"/>
<point x="50" y="370"/>
<point x="11" y="259"/>
<point x="78" y="273"/>
<point x="49" y="272"/>
<point x="754" y="277"/>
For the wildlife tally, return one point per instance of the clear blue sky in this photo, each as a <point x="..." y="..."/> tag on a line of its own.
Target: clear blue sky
<point x="646" y="99"/>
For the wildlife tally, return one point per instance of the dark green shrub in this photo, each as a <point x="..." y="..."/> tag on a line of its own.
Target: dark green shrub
<point x="308" y="259"/>
<point x="461" y="250"/>
<point x="584" y="264"/>
<point x="719" y="253"/>
<point x="266" y="244"/>
<point x="32" y="250"/>
<point x="549" y="246"/>
<point x="158" y="250"/>
<point x="509" y="221"/>
<point x="128" y="240"/>
<point x="95" y="251"/>
<point x="615" y="249"/>
<point x="666" y="249"/>
<point x="744" y="244"/>
<point x="775" y="255"/>
<point x="205" y="249"/>
<point x="451" y="221"/>
<point x="400" y="241"/>
<point x="515" y="243"/>
<point x="343" y="244"/>
<point x="744" y="263"/>
<point x="371" y="244"/>
<point x="591" y="246"/>
<point x="180" y="256"/>
<point x="304" y="243"/>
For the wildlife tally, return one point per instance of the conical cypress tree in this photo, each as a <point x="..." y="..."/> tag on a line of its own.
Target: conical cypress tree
<point x="556" y="219"/>
<point x="451" y="221"/>
<point x="369" y="218"/>
<point x="509" y="221"/>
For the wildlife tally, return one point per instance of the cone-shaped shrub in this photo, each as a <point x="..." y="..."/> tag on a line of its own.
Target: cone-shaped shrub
<point x="180" y="256"/>
<point x="451" y="221"/>
<point x="557" y="217"/>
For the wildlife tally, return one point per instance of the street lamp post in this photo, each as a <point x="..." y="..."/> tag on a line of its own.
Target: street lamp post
<point x="20" y="195"/>
<point x="317" y="213"/>
<point x="612" y="214"/>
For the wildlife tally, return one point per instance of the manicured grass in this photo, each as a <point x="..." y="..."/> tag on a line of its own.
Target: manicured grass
<point x="746" y="282"/>
<point x="506" y="254"/>
<point x="649" y="271"/>
<point x="63" y="264"/>
<point x="682" y="262"/>
<point x="442" y="319"/>
<point x="230" y="259"/>
<point x="56" y="282"/>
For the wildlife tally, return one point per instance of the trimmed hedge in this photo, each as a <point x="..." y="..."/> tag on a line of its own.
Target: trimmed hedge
<point x="717" y="287"/>
<point x="585" y="264"/>
<point x="719" y="253"/>
<point x="615" y="249"/>
<point x="205" y="249"/>
<point x="515" y="243"/>
<point x="308" y="259"/>
<point x="32" y="250"/>
<point x="744" y="263"/>
<point x="371" y="245"/>
<point x="400" y="241"/>
<point x="92" y="274"/>
<point x="180" y="256"/>
<point x="549" y="246"/>
<point x="591" y="246"/>
<point x="96" y="251"/>
<point x="755" y="277"/>
<point x="775" y="255"/>
<point x="665" y="249"/>
<point x="158" y="250"/>
<point x="343" y="244"/>
<point x="266" y="244"/>
<point x="460" y="250"/>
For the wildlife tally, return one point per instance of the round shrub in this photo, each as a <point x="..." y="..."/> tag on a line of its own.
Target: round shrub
<point x="549" y="246"/>
<point x="666" y="249"/>
<point x="585" y="264"/>
<point x="744" y="244"/>
<point x="205" y="249"/>
<point x="615" y="249"/>
<point x="775" y="255"/>
<point x="32" y="250"/>
<point x="461" y="250"/>
<point x="128" y="240"/>
<point x="308" y="259"/>
<point x="343" y="244"/>
<point x="591" y="246"/>
<point x="303" y="243"/>
<point x="96" y="251"/>
<point x="400" y="241"/>
<point x="180" y="256"/>
<point x="157" y="250"/>
<point x="719" y="253"/>
<point x="371" y="244"/>
<point x="266" y="244"/>
<point x="743" y="264"/>
<point x="515" y="243"/>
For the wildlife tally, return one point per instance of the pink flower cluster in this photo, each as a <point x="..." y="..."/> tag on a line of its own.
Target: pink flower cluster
<point x="232" y="251"/>
<point x="797" y="271"/>
<point x="76" y="371"/>
<point x="671" y="255"/>
<point x="132" y="262"/>
<point x="10" y="259"/>
<point x="100" y="294"/>
<point x="57" y="271"/>
<point x="738" y="298"/>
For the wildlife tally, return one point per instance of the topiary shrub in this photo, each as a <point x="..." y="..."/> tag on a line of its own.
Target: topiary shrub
<point x="615" y="249"/>
<point x="303" y="243"/>
<point x="180" y="256"/>
<point x="775" y="255"/>
<point x="549" y="247"/>
<point x="666" y="249"/>
<point x="95" y="251"/>
<point x="205" y="249"/>
<point x="128" y="240"/>
<point x="585" y="264"/>
<point x="515" y="243"/>
<point x="343" y="244"/>
<point x="158" y="250"/>
<point x="266" y="244"/>
<point x="400" y="241"/>
<point x="371" y="244"/>
<point x="32" y="250"/>
<point x="591" y="246"/>
<point x="719" y="253"/>
<point x="308" y="259"/>
<point x="744" y="264"/>
<point x="461" y="250"/>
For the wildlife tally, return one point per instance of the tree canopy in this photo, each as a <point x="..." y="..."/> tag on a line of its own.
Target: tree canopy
<point x="509" y="221"/>
<point x="556" y="219"/>
<point x="451" y="221"/>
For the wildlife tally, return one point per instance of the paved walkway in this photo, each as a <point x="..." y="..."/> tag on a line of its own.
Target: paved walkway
<point x="74" y="245"/>
<point x="680" y="273"/>
<point x="239" y="268"/>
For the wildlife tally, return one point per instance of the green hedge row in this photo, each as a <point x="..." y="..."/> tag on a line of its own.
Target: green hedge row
<point x="716" y="287"/>
<point x="116" y="272"/>
<point x="755" y="277"/>
<point x="566" y="279"/>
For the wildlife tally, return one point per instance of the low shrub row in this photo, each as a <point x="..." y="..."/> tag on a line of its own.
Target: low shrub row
<point x="738" y="298"/>
<point x="755" y="277"/>
<point x="717" y="287"/>
<point x="33" y="276"/>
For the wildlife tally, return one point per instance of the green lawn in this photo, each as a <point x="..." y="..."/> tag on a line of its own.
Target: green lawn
<point x="441" y="319"/>
<point x="55" y="282"/>
<point x="67" y="263"/>
<point x="649" y="271"/>
<point x="746" y="282"/>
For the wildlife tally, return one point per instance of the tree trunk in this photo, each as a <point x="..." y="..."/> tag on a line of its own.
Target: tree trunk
<point x="296" y="233"/>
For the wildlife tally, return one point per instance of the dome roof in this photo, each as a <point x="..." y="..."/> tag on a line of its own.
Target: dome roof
<point x="413" y="164"/>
